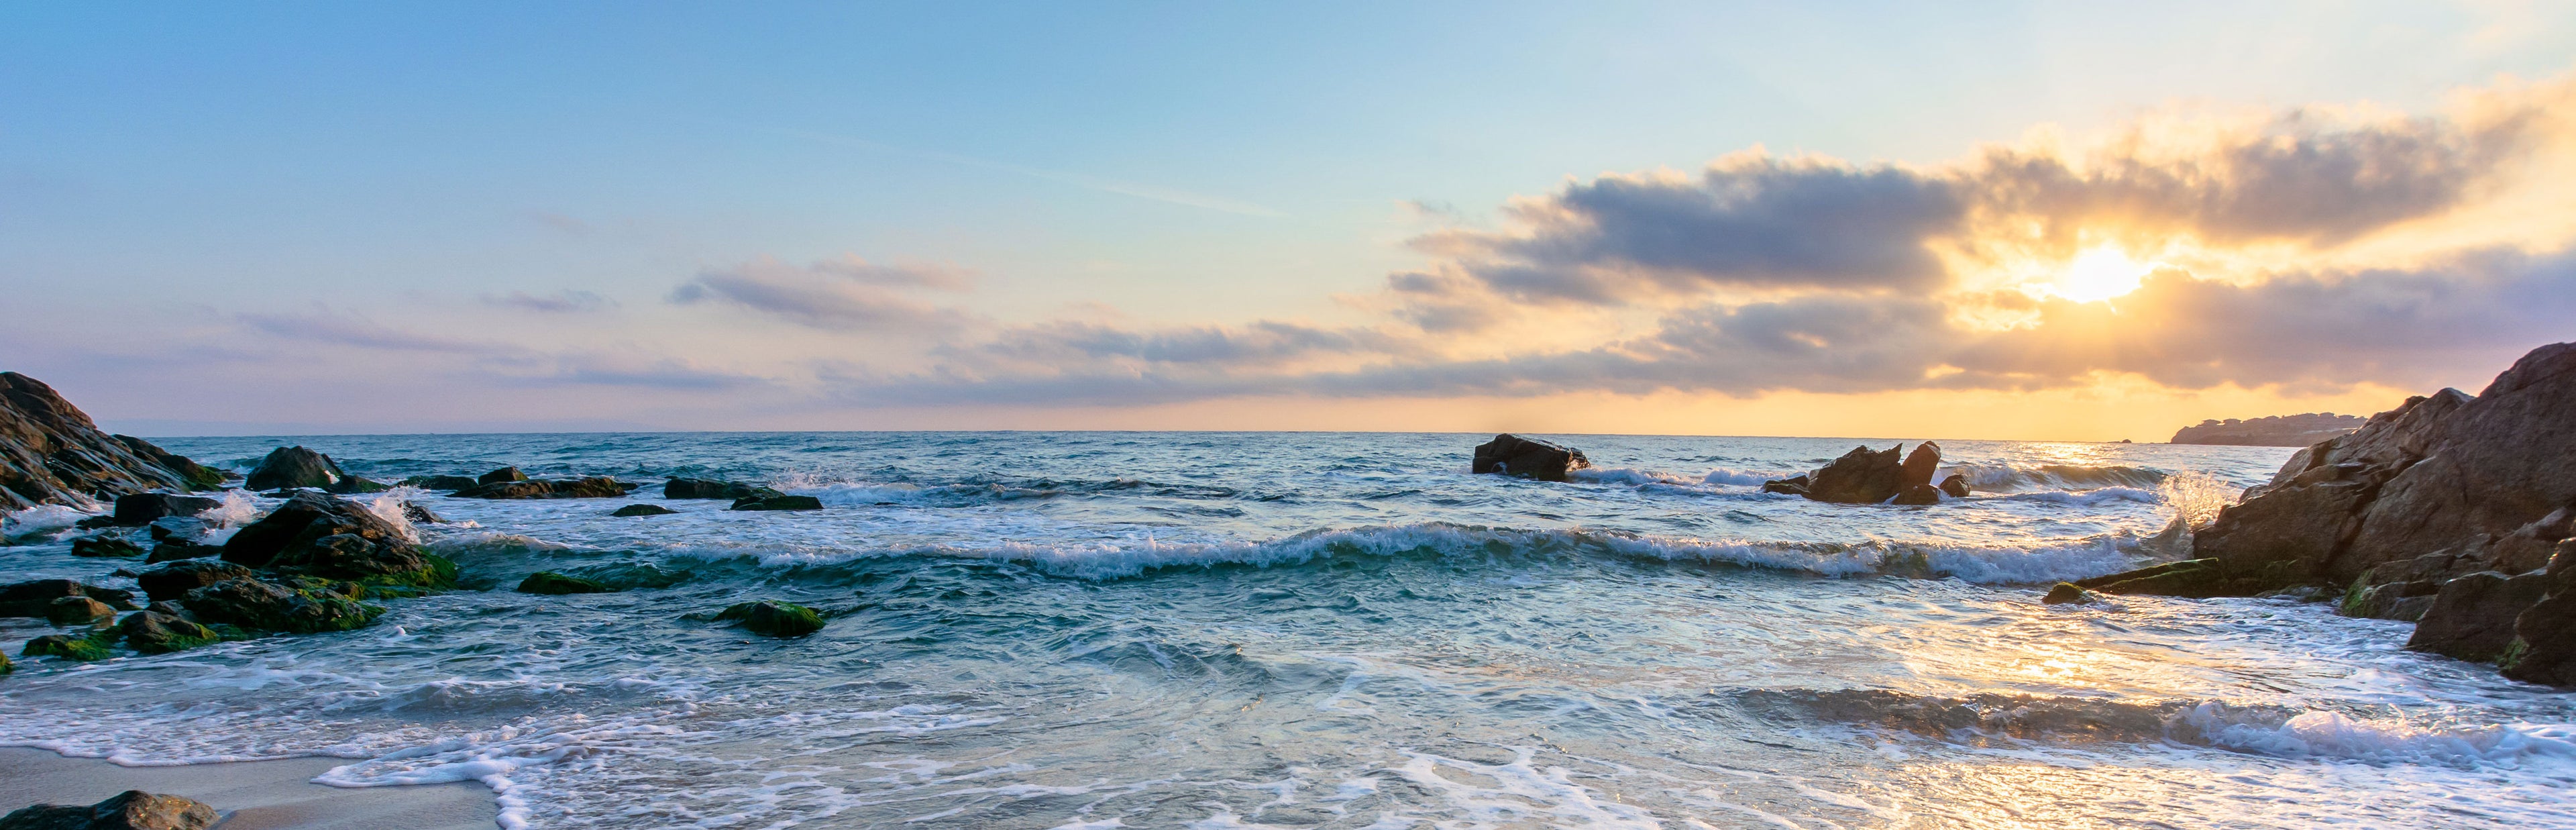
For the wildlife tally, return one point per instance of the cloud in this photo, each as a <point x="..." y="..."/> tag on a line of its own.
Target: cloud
<point x="839" y="294"/>
<point x="561" y="302"/>
<point x="675" y="375"/>
<point x="351" y="330"/>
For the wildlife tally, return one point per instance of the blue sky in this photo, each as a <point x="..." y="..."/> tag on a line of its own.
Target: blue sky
<point x="187" y="190"/>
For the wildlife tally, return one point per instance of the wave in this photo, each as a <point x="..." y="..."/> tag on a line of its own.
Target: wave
<point x="2005" y="478"/>
<point x="2262" y="729"/>
<point x="2085" y="498"/>
<point x="1636" y="477"/>
<point x="42" y="519"/>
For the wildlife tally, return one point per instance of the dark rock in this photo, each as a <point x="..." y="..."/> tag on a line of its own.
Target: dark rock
<point x="1861" y="476"/>
<point x="441" y="482"/>
<point x="2473" y="616"/>
<point x="51" y="453"/>
<point x="2192" y="578"/>
<point x="780" y="503"/>
<point x="196" y="476"/>
<point x="293" y="467"/>
<point x="105" y="547"/>
<point x="354" y="484"/>
<point x="699" y="488"/>
<point x="1920" y="465"/>
<point x="152" y="632"/>
<point x="135" y="509"/>
<point x="643" y="510"/>
<point x="130" y="810"/>
<point x="328" y="537"/>
<point x="2273" y="431"/>
<point x="173" y="550"/>
<point x="1919" y="494"/>
<point x="82" y="647"/>
<point x="1513" y="455"/>
<point x="6" y="666"/>
<point x="1956" y="486"/>
<point x="504" y="474"/>
<point x="175" y="580"/>
<point x="2064" y="593"/>
<point x="77" y="611"/>
<point x="416" y="514"/>
<point x="252" y="603"/>
<point x="175" y="527"/>
<point x="595" y="487"/>
<point x="2544" y="642"/>
<point x="549" y="582"/>
<point x="1794" y="485"/>
<point x="773" y="618"/>
<point x="34" y="598"/>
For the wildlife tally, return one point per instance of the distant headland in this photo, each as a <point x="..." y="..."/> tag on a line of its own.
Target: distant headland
<point x="2274" y="431"/>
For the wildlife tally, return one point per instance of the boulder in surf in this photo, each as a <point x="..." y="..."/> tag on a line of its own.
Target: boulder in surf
<point x="642" y="510"/>
<point x="505" y="474"/>
<point x="555" y="584"/>
<point x="136" y="509"/>
<point x="1513" y="455"/>
<point x="772" y="618"/>
<point x="289" y="467"/>
<point x="1862" y="476"/>
<point x="1956" y="486"/>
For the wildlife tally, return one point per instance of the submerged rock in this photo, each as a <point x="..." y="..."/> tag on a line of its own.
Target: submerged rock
<point x="152" y="632"/>
<point x="105" y="547"/>
<point x="2066" y="593"/>
<point x="1513" y="455"/>
<point x="780" y="503"/>
<point x="700" y="488"/>
<point x="441" y="482"/>
<point x="643" y="510"/>
<point x="773" y="618"/>
<point x="136" y="509"/>
<point x="549" y="582"/>
<point x="416" y="514"/>
<point x="130" y="810"/>
<point x="51" y="453"/>
<point x="2193" y="578"/>
<point x="1919" y="494"/>
<point x="594" y="487"/>
<point x="288" y="467"/>
<point x="82" y="647"/>
<point x="35" y="598"/>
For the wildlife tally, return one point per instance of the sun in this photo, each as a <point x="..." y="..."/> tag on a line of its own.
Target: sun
<point x="2100" y="273"/>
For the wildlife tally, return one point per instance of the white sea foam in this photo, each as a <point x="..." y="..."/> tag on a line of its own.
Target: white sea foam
<point x="40" y="519"/>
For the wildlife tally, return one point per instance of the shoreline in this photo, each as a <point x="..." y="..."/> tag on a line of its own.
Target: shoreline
<point x="251" y="795"/>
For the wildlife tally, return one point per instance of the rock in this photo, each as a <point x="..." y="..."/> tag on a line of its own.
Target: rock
<point x="50" y="452"/>
<point x="2273" y="431"/>
<point x="129" y="810"/>
<point x="82" y="647"/>
<point x="1956" y="486"/>
<point x="287" y="467"/>
<point x="1860" y="477"/>
<point x="172" y="550"/>
<point x="175" y="580"/>
<point x="774" y="618"/>
<point x="699" y="488"/>
<point x="1513" y="455"/>
<point x="1919" y="494"/>
<point x="2473" y="616"/>
<point x="354" y="484"/>
<point x="416" y="514"/>
<point x="780" y="503"/>
<point x="152" y="632"/>
<point x="2544" y="638"/>
<point x="441" y="482"/>
<point x="504" y="474"/>
<point x="2192" y="578"/>
<point x="69" y="611"/>
<point x="643" y="510"/>
<point x="595" y="487"/>
<point x="36" y="598"/>
<point x="6" y="667"/>
<point x="1920" y="465"/>
<point x="255" y="604"/>
<point x="136" y="509"/>
<point x="175" y="527"/>
<point x="2064" y="593"/>
<point x="549" y="582"/>
<point x="1794" y="485"/>
<point x="196" y="476"/>
<point x="105" y="547"/>
<point x="332" y="538"/>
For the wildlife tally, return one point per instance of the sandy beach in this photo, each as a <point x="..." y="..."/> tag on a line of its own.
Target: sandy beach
<point x="252" y="795"/>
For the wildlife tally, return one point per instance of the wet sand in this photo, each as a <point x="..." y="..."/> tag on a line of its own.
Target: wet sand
<point x="252" y="795"/>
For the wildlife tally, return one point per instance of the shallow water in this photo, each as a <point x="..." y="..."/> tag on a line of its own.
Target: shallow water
<point x="1045" y="630"/>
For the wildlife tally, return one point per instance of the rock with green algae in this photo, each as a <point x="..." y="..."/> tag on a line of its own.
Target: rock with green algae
<point x="773" y="618"/>
<point x="35" y="598"/>
<point x="2067" y="593"/>
<point x="6" y="666"/>
<point x="301" y="607"/>
<point x="152" y="632"/>
<point x="551" y="583"/>
<point x="82" y="647"/>
<point x="314" y="534"/>
<point x="77" y="611"/>
<point x="643" y="510"/>
<point x="105" y="547"/>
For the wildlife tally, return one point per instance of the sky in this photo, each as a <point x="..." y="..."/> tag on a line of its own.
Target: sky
<point x="2042" y="221"/>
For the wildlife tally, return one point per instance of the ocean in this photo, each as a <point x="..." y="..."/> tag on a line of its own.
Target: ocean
<point x="1310" y="630"/>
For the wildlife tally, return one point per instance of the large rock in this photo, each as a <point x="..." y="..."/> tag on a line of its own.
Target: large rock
<point x="105" y="547"/>
<point x="50" y="452"/>
<point x="130" y="810"/>
<point x="197" y="476"/>
<point x="77" y="611"/>
<point x="1513" y="455"/>
<point x="332" y="538"/>
<point x="153" y="632"/>
<point x="2473" y="616"/>
<point x="701" y="488"/>
<point x="268" y="606"/>
<point x="505" y="474"/>
<point x="175" y="580"/>
<point x="34" y="598"/>
<point x="595" y="487"/>
<point x="136" y="509"/>
<point x="1862" y="476"/>
<point x="294" y="467"/>
<point x="1919" y="466"/>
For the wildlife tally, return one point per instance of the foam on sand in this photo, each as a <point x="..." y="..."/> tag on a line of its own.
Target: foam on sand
<point x="252" y="795"/>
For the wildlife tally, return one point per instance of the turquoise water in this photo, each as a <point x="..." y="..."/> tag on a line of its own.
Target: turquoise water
<point x="1089" y="630"/>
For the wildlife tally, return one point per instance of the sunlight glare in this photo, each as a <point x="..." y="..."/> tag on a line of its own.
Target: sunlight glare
<point x="2100" y="274"/>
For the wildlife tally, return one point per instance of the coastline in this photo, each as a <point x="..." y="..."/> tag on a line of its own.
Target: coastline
<point x="251" y="795"/>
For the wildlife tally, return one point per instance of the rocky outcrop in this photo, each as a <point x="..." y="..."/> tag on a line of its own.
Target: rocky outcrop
<point x="317" y="535"/>
<point x="2472" y="618"/>
<point x="773" y="618"/>
<point x="138" y="509"/>
<point x="1513" y="455"/>
<point x="153" y="632"/>
<point x="502" y="476"/>
<point x="595" y="487"/>
<point x="51" y="453"/>
<point x="129" y="810"/>
<point x="287" y="467"/>
<point x="77" y="611"/>
<point x="701" y="488"/>
<point x="2275" y="431"/>
<point x="173" y="581"/>
<point x="450" y="483"/>
<point x="294" y="607"/>
<point x="33" y="598"/>
<point x="195" y="476"/>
